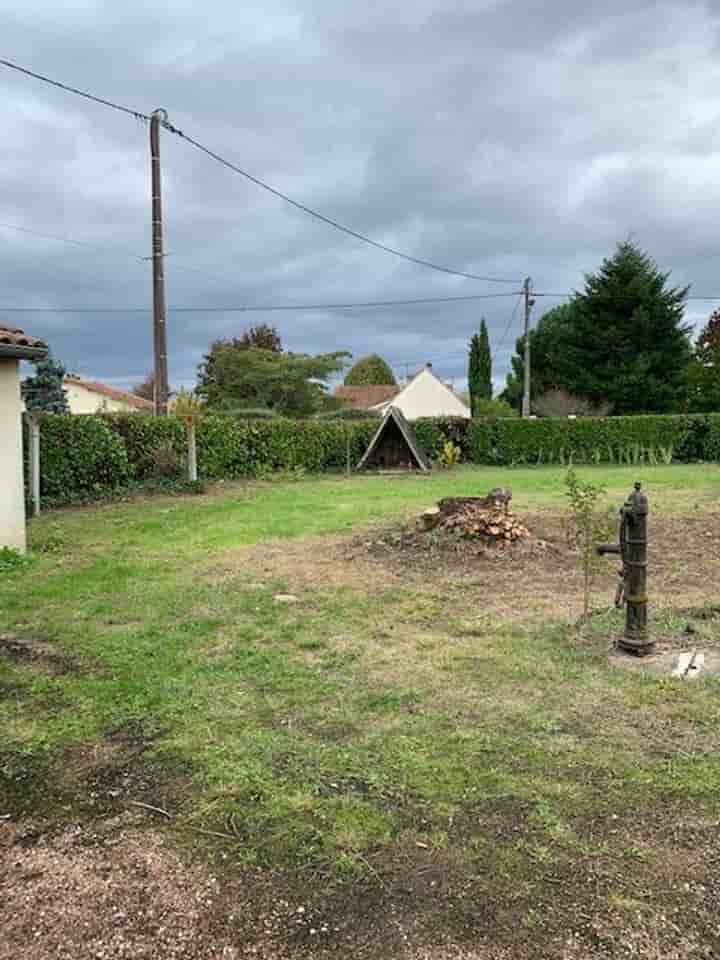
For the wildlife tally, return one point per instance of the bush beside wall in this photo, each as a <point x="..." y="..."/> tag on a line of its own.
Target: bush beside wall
<point x="80" y="455"/>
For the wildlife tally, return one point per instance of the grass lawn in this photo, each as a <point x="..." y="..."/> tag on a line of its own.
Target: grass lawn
<point x="444" y="744"/>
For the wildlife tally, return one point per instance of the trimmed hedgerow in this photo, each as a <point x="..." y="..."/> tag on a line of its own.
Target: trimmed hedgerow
<point x="80" y="455"/>
<point x="434" y="432"/>
<point x="712" y="438"/>
<point x="642" y="439"/>
<point x="87" y="456"/>
<point x="235" y="448"/>
<point x="144" y="435"/>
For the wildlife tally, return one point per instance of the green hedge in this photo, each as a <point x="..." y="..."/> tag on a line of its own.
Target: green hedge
<point x="434" y="432"/>
<point x="639" y="439"/>
<point x="84" y="455"/>
<point x="231" y="448"/>
<point x="80" y="455"/>
<point x="142" y="435"/>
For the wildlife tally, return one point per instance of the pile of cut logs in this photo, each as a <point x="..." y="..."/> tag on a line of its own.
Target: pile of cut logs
<point x="484" y="518"/>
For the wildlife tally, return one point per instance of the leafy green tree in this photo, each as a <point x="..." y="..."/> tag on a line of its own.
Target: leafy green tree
<point x="547" y="348"/>
<point x="703" y="373"/>
<point x="146" y="388"/>
<point x="479" y="368"/>
<point x="262" y="337"/>
<point x="368" y="371"/>
<point x="45" y="391"/>
<point x="292" y="384"/>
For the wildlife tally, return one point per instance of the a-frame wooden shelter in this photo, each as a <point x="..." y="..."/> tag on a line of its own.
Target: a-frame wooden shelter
<point x="394" y="446"/>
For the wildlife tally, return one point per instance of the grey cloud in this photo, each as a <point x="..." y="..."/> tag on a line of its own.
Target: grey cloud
<point x="504" y="138"/>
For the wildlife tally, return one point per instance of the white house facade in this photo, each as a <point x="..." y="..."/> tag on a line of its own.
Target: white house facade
<point x="426" y="396"/>
<point x="89" y="396"/>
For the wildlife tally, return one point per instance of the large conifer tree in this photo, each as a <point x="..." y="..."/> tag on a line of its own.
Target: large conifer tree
<point x="627" y="344"/>
<point x="620" y="342"/>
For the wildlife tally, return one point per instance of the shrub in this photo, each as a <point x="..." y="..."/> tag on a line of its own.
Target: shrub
<point x="79" y="454"/>
<point x="348" y="413"/>
<point x="166" y="461"/>
<point x="12" y="560"/>
<point x="495" y="408"/>
<point x="434" y="432"/>
<point x="449" y="455"/>
<point x="143" y="435"/>
<point x="712" y="439"/>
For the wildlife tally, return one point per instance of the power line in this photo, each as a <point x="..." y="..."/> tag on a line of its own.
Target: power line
<point x="256" y="180"/>
<point x="81" y="93"/>
<point x="565" y="296"/>
<point x="76" y="243"/>
<point x="262" y="307"/>
<point x="328" y="220"/>
<point x="508" y="326"/>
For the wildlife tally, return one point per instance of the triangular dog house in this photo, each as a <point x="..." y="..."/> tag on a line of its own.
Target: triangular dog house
<point x="394" y="446"/>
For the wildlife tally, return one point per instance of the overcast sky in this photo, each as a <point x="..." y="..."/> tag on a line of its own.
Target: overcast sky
<point x="500" y="137"/>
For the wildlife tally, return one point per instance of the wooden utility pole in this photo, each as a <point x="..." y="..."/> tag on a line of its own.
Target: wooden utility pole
<point x="526" y="360"/>
<point x="159" y="324"/>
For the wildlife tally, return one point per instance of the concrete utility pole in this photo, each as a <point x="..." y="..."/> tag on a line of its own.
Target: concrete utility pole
<point x="529" y="301"/>
<point x="159" y="324"/>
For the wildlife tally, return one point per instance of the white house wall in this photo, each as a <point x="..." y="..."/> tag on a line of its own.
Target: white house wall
<point x="12" y="497"/>
<point x="426" y="396"/>
<point x="82" y="400"/>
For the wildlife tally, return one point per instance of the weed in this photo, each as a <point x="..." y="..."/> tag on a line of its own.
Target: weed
<point x="449" y="455"/>
<point x="12" y="560"/>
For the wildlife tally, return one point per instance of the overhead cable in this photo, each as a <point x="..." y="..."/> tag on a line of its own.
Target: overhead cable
<point x="256" y="180"/>
<point x="261" y="308"/>
<point x="80" y="93"/>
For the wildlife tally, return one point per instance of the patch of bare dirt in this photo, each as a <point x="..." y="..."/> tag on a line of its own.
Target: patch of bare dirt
<point x="39" y="654"/>
<point x="640" y="886"/>
<point x="92" y="780"/>
<point x="529" y="580"/>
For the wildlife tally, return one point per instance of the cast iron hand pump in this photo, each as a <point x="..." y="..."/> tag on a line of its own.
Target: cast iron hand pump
<point x="632" y="588"/>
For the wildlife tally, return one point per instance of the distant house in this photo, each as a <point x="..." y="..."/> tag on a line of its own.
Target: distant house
<point x="366" y="397"/>
<point x="89" y="396"/>
<point x="425" y="395"/>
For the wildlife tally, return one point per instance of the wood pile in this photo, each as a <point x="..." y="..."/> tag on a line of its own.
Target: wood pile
<point x="483" y="518"/>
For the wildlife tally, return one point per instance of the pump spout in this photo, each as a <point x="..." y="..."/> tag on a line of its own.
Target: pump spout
<point x="601" y="549"/>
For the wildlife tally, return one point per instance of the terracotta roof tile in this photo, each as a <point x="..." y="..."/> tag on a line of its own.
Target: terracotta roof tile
<point x="367" y="396"/>
<point x="12" y="337"/>
<point x="140" y="403"/>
